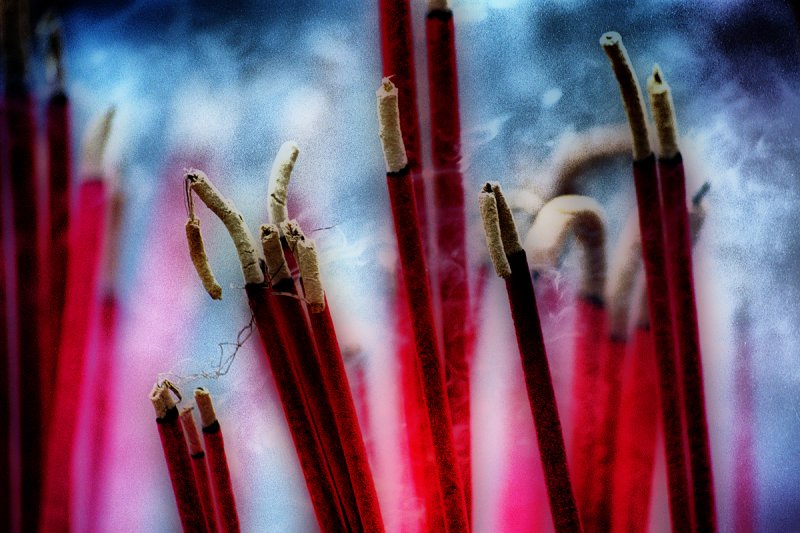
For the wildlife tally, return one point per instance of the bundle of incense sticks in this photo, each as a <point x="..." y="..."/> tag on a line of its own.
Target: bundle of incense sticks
<point x="303" y="352"/>
<point x="200" y="479"/>
<point x="666" y="243"/>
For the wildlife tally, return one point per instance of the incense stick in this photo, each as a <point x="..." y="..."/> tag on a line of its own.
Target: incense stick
<point x="6" y="484"/>
<point x="217" y="463"/>
<point x="682" y="299"/>
<point x="501" y="234"/>
<point x="83" y="280"/>
<point x="336" y="383"/>
<point x="450" y="264"/>
<point x="582" y="217"/>
<point x="176" y="453"/>
<point x="651" y="226"/>
<point x="397" y="54"/>
<point x="312" y="458"/>
<point x="418" y="294"/>
<point x="27" y="351"/>
<point x="200" y="469"/>
<point x="59" y="158"/>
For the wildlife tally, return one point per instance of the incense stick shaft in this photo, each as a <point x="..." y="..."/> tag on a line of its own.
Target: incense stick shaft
<point x="541" y="395"/>
<point x="312" y="459"/>
<point x="653" y="249"/>
<point x="347" y="420"/>
<point x="684" y="313"/>
<point x="418" y="294"/>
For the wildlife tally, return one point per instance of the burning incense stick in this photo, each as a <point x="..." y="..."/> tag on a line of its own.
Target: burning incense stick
<point x="6" y="485"/>
<point x="27" y="351"/>
<point x="582" y="217"/>
<point x="312" y="458"/>
<point x="279" y="178"/>
<point x="293" y="320"/>
<point x="83" y="278"/>
<point x="651" y="226"/>
<point x="418" y="293"/>
<point x="450" y="263"/>
<point x="217" y="463"/>
<point x="57" y="119"/>
<point x="176" y="452"/>
<point x="335" y="377"/>
<point x="682" y="299"/>
<point x="512" y="265"/>
<point x="200" y="469"/>
<point x="397" y="53"/>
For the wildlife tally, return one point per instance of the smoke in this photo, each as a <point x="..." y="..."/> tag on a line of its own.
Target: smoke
<point x="231" y="83"/>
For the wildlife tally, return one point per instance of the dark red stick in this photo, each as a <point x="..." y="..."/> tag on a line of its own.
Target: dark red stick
<point x="397" y="53"/>
<point x="5" y="360"/>
<point x="19" y="116"/>
<point x="590" y="330"/>
<point x="86" y="245"/>
<point x="176" y="452"/>
<point x="651" y="229"/>
<point x="217" y="464"/>
<point x="684" y="320"/>
<point x="335" y="378"/>
<point x="638" y="430"/>
<point x="293" y="320"/>
<point x="200" y="470"/>
<point x="415" y="275"/>
<point x="541" y="396"/>
<point x="451" y="257"/>
<point x="312" y="459"/>
<point x="59" y="178"/>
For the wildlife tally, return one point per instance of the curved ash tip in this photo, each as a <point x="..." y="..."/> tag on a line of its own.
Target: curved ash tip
<point x="279" y="178"/>
<point x="610" y="38"/>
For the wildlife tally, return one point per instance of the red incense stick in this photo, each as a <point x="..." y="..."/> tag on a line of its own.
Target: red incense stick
<point x="555" y="222"/>
<point x="83" y="274"/>
<point x="320" y="485"/>
<point x="6" y="487"/>
<point x="176" y="452"/>
<point x="293" y="320"/>
<point x="397" y="54"/>
<point x="418" y="293"/>
<point x="651" y="228"/>
<point x="59" y="158"/>
<point x="200" y="469"/>
<point x="217" y="463"/>
<point x="452" y="280"/>
<point x="336" y="383"/>
<point x="677" y="235"/>
<point x="511" y="264"/>
<point x="21" y="128"/>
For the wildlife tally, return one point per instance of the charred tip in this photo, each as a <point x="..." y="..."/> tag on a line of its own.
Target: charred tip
<point x="205" y="406"/>
<point x="701" y="193"/>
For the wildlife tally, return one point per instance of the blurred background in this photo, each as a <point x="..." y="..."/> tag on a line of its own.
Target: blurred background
<point x="220" y="85"/>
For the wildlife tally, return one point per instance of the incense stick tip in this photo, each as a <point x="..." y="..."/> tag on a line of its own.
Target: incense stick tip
<point x="95" y="142"/>
<point x="701" y="193"/>
<point x="277" y="269"/>
<point x="205" y="406"/>
<point x="508" y="228"/>
<point x="389" y="130"/>
<point x="308" y="261"/>
<point x="611" y="39"/>
<point x="487" y="205"/>
<point x="161" y="398"/>
<point x="279" y="177"/>
<point x="663" y="113"/>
